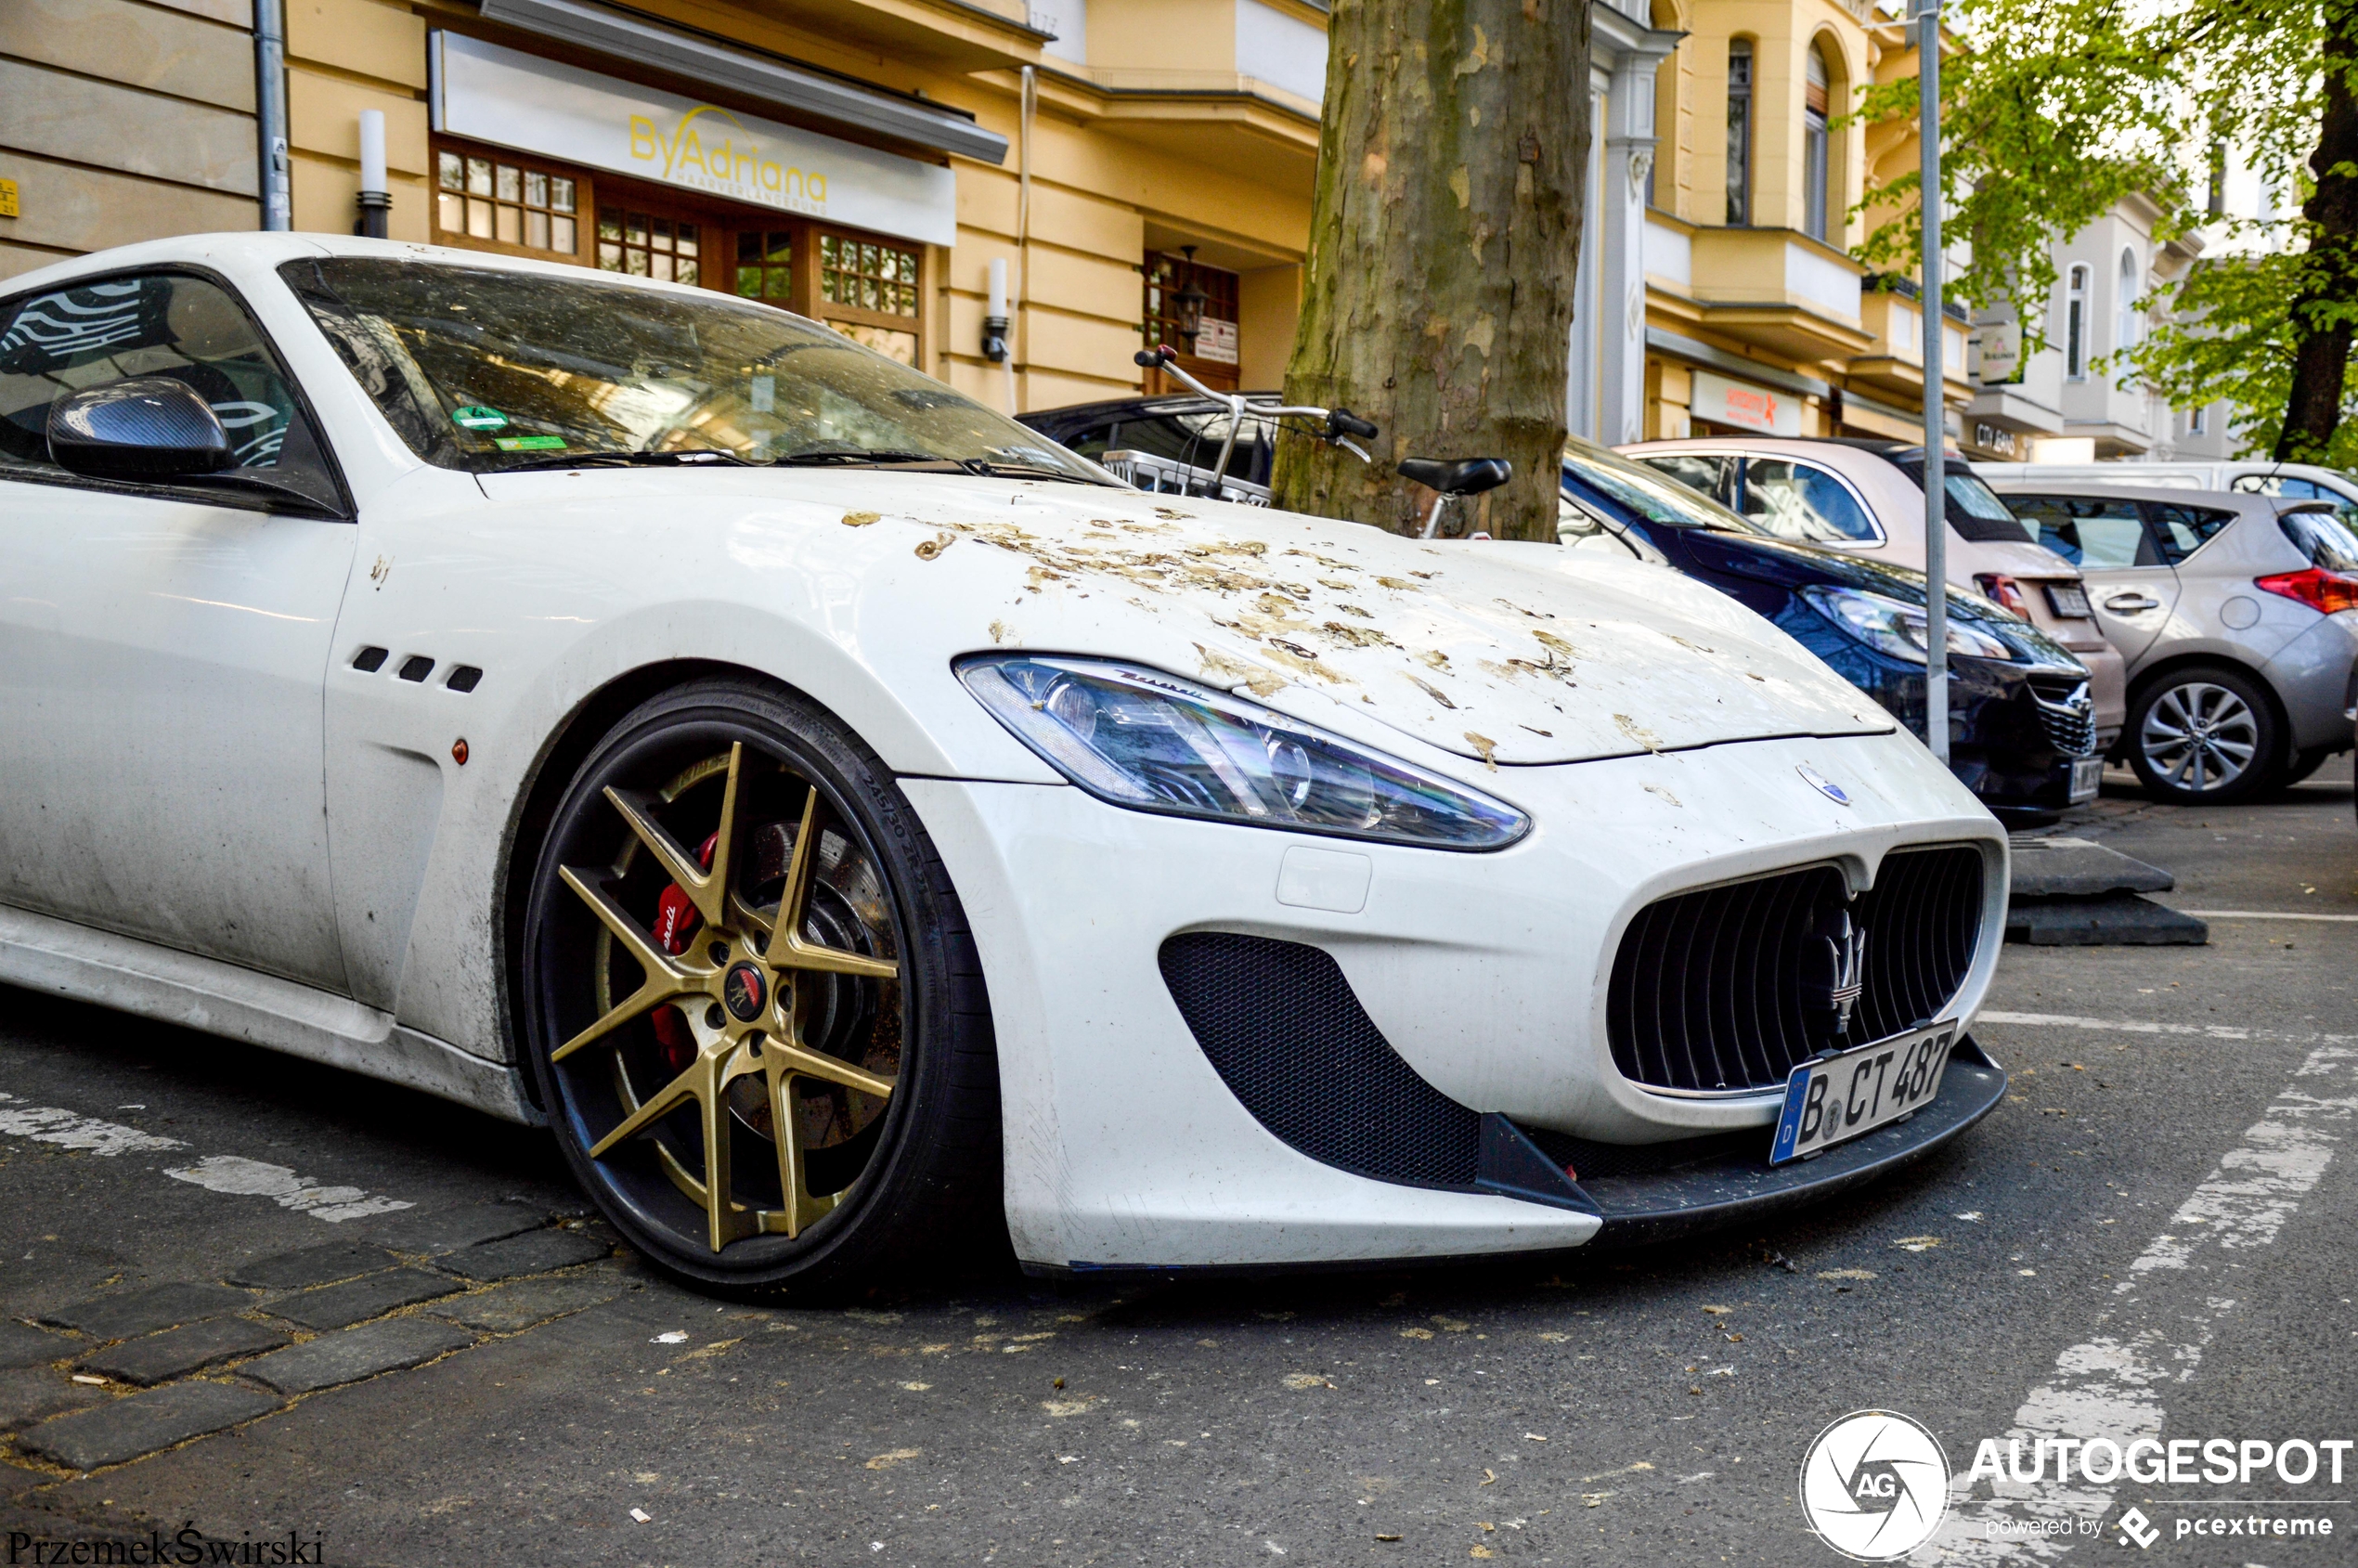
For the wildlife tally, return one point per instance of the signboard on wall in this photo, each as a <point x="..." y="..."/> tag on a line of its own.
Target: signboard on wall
<point x="1216" y="341"/>
<point x="1998" y="353"/>
<point x="1744" y="406"/>
<point x="510" y="98"/>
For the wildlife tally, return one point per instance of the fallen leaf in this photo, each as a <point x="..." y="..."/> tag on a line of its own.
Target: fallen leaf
<point x="1848" y="1274"/>
<point x="1306" y="1380"/>
<point x="1720" y="1311"/>
<point x="1415" y="1333"/>
<point x="860" y="519"/>
<point x="1917" y="1243"/>
<point x="885" y="1461"/>
<point x="1552" y="1337"/>
<point x="702" y="1352"/>
<point x="1455" y="1325"/>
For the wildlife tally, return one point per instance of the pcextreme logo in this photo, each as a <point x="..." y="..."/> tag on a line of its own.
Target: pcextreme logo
<point x="730" y="166"/>
<point x="1875" y="1485"/>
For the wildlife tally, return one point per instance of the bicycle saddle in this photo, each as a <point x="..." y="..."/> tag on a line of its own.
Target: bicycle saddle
<point x="1468" y="477"/>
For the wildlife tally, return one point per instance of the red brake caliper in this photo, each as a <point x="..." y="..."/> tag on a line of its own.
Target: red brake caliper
<point x="676" y="922"/>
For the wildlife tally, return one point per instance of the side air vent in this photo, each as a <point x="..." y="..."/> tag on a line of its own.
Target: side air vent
<point x="466" y="677"/>
<point x="417" y="666"/>
<point x="1722" y="991"/>
<point x="1281" y="1027"/>
<point x="368" y="661"/>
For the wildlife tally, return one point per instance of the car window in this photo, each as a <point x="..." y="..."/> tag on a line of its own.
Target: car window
<point x="2180" y="530"/>
<point x="2093" y="532"/>
<point x="1975" y="511"/>
<point x="176" y="327"/>
<point x="1708" y="474"/>
<point x="1579" y="527"/>
<point x="2325" y="537"/>
<point x="1194" y="439"/>
<point x="1799" y="501"/>
<point x="1600" y="477"/>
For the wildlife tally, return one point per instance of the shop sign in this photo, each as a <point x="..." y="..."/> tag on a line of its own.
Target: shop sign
<point x="510" y="98"/>
<point x="1999" y="351"/>
<point x="1216" y="341"/>
<point x="1744" y="406"/>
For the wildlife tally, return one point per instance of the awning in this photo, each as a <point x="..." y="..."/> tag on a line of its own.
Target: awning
<point x="610" y="32"/>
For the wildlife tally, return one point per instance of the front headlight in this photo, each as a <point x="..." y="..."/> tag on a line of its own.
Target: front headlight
<point x="1151" y="742"/>
<point x="1896" y="628"/>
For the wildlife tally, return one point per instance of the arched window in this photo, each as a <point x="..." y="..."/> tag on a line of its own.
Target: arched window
<point x="2075" y="332"/>
<point x="1814" y="148"/>
<point x="1738" y="131"/>
<point x="2128" y="317"/>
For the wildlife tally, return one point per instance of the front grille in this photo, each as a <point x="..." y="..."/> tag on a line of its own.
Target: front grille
<point x="1726" y="989"/>
<point x="2068" y="715"/>
<point x="1284" y="1032"/>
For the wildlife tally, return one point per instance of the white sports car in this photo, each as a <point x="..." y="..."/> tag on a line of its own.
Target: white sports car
<point x="846" y="821"/>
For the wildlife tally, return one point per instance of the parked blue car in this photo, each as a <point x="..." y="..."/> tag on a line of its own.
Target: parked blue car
<point x="2021" y="725"/>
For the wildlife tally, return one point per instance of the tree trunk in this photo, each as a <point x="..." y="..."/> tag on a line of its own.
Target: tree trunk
<point x="2322" y="311"/>
<point x="1444" y="241"/>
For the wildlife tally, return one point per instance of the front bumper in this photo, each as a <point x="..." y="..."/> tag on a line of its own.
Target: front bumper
<point x="1487" y="974"/>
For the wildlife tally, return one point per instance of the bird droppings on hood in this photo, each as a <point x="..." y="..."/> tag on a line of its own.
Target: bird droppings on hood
<point x="1536" y="730"/>
<point x="1637" y="731"/>
<point x="1555" y="644"/>
<point x="862" y="519"/>
<point x="1534" y="615"/>
<point x="1398" y="585"/>
<point x="933" y="547"/>
<point x="1356" y="635"/>
<point x="1684" y="643"/>
<point x="1002" y="634"/>
<point x="1035" y="576"/>
<point x="1436" y="692"/>
<point x="1434" y="657"/>
<point x="1170" y="516"/>
<point x="1484" y="746"/>
<point x="1657" y="789"/>
<point x="1219" y="668"/>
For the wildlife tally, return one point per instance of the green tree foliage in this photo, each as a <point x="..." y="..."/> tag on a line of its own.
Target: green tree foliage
<point x="2053" y="110"/>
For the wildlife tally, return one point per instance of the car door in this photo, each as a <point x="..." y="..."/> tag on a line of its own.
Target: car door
<point x="164" y="647"/>
<point x="2131" y="587"/>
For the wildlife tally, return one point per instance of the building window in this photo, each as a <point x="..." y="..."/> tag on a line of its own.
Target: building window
<point x="479" y="199"/>
<point x="1740" y="132"/>
<point x="1815" y="150"/>
<point x="2076" y="324"/>
<point x="765" y="264"/>
<point x="868" y="291"/>
<point x="650" y="245"/>
<point x="2125" y="334"/>
<point x="1212" y="356"/>
<point x="2198" y="423"/>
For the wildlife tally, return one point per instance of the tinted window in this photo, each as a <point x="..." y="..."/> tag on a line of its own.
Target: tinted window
<point x="2325" y="537"/>
<point x="1195" y="439"/>
<point x="1796" y="500"/>
<point x="2180" y="530"/>
<point x="1635" y="489"/>
<point x="1974" y="511"/>
<point x="1697" y="473"/>
<point x="2090" y="532"/>
<point x="182" y="328"/>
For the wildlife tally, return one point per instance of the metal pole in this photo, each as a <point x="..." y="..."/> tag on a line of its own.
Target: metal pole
<point x="1936" y="422"/>
<point x="270" y="112"/>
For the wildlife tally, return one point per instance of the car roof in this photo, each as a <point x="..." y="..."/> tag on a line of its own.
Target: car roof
<point x="2024" y="484"/>
<point x="1118" y="407"/>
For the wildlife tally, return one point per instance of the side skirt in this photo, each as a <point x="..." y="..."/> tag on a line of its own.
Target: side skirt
<point x="41" y="953"/>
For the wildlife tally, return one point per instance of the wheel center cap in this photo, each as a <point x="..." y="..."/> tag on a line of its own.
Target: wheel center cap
<point x="744" y="992"/>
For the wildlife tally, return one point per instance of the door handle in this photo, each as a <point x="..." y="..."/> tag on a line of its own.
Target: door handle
<point x="2129" y="604"/>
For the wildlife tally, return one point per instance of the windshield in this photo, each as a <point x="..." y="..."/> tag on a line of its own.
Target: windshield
<point x="1974" y="511"/>
<point x="484" y="369"/>
<point x="1634" y="487"/>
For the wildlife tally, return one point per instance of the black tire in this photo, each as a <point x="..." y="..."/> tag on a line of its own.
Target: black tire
<point x="913" y="1163"/>
<point x="2204" y="735"/>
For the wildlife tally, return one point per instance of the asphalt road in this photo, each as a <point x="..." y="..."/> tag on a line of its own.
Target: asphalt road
<point x="2152" y="1234"/>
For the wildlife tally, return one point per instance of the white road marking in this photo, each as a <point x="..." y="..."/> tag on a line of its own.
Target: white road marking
<point x="2138" y="1026"/>
<point x="48" y="1124"/>
<point x="2263" y="915"/>
<point x="253" y="1178"/>
<point x="2110" y="1386"/>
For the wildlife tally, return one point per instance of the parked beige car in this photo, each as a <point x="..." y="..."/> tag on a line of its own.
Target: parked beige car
<point x="1868" y="497"/>
<point x="2237" y="614"/>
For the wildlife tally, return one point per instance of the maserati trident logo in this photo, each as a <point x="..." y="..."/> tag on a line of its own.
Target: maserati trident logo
<point x="745" y="993"/>
<point x="1823" y="784"/>
<point x="1833" y="965"/>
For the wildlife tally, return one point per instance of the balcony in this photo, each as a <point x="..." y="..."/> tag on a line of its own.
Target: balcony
<point x="1780" y="290"/>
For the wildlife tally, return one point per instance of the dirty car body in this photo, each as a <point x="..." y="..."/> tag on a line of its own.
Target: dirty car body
<point x="606" y="702"/>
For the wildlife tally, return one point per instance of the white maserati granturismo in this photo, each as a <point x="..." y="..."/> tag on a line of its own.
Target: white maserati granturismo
<point x="851" y="824"/>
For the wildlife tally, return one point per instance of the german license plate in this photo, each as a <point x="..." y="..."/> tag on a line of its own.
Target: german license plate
<point x="2087" y="777"/>
<point x="1833" y="1100"/>
<point x="2070" y="600"/>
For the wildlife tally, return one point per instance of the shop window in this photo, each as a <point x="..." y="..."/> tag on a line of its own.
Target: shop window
<point x="649" y="245"/>
<point x="765" y="266"/>
<point x="868" y="291"/>
<point x="489" y="198"/>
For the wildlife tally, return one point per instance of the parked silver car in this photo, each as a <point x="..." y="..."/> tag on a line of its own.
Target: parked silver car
<point x="2237" y="614"/>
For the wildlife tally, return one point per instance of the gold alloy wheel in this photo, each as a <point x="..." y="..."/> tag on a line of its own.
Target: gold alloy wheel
<point x="746" y="986"/>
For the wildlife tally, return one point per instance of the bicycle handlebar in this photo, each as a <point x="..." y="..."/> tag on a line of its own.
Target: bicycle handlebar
<point x="1340" y="425"/>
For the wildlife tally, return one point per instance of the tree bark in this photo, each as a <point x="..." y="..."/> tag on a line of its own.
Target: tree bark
<point x="1444" y="241"/>
<point x="2323" y="310"/>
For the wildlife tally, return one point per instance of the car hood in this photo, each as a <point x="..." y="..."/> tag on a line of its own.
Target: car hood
<point x="1464" y="646"/>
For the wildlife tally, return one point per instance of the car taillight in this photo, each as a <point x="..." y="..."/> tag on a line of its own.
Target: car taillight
<point x="2322" y="591"/>
<point x="2006" y="591"/>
